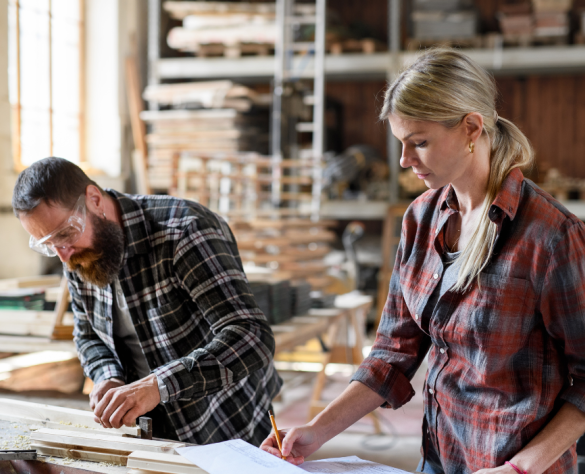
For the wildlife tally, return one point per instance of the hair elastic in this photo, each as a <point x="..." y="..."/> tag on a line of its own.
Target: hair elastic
<point x="516" y="468"/>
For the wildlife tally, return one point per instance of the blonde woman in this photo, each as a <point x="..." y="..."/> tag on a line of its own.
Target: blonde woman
<point x="489" y="281"/>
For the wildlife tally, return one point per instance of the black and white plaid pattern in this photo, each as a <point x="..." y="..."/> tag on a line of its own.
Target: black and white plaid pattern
<point x="198" y="323"/>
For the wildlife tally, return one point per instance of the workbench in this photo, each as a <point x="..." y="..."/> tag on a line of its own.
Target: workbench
<point x="16" y="436"/>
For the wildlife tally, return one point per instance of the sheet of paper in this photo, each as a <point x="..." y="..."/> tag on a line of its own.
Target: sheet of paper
<point x="348" y="465"/>
<point x="236" y="456"/>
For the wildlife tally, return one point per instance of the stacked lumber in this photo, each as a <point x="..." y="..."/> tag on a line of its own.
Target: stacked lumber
<point x="223" y="28"/>
<point x="143" y="462"/>
<point x="99" y="447"/>
<point x="563" y="187"/>
<point x="38" y="415"/>
<point x="207" y="118"/>
<point x="35" y="323"/>
<point x="542" y="22"/>
<point x="207" y="94"/>
<point x="439" y="20"/>
<point x="236" y="29"/>
<point x="23" y="309"/>
<point x="47" y="370"/>
<point x="291" y="248"/>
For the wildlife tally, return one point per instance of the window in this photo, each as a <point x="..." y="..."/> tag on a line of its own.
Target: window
<point x="45" y="69"/>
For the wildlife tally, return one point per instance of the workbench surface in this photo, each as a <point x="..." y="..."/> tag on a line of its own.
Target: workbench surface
<point x="17" y="436"/>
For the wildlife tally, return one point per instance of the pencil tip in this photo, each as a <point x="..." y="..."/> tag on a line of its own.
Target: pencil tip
<point x="270" y="412"/>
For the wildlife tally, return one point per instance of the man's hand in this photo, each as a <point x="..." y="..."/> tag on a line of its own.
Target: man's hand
<point x="122" y="405"/>
<point x="100" y="389"/>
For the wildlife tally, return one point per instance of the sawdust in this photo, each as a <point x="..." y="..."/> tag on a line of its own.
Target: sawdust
<point x="18" y="442"/>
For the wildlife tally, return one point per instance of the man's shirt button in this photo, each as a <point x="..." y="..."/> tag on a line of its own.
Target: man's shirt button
<point x="431" y="391"/>
<point x="441" y="350"/>
<point x="436" y="276"/>
<point x="416" y="316"/>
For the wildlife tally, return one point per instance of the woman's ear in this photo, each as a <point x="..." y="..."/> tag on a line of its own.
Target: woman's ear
<point x="473" y="124"/>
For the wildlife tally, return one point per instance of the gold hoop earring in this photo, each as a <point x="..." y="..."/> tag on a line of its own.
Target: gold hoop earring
<point x="471" y="147"/>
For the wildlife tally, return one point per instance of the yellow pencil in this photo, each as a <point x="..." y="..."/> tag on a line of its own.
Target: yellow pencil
<point x="273" y="421"/>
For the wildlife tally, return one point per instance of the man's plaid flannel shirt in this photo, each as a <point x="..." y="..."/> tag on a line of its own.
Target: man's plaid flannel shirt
<point x="198" y="323"/>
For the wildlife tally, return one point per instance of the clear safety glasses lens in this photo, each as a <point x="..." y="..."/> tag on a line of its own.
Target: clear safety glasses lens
<point x="66" y="235"/>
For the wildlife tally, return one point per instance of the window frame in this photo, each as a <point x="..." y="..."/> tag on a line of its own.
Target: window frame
<point x="16" y="108"/>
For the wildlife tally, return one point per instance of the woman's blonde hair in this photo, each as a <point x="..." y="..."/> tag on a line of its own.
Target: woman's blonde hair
<point x="444" y="85"/>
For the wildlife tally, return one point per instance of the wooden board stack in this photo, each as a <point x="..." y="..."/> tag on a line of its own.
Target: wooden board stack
<point x="34" y="323"/>
<point x="207" y="118"/>
<point x="292" y="248"/>
<point x="223" y="28"/>
<point x="30" y="328"/>
<point x="233" y="29"/>
<point x="98" y="447"/>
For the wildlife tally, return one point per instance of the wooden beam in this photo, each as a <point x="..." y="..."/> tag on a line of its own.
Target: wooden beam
<point x="59" y="332"/>
<point x="60" y="371"/>
<point x="43" y="415"/>
<point x="166" y="463"/>
<point x="79" y="454"/>
<point x="136" y="106"/>
<point x="30" y="282"/>
<point x="80" y="440"/>
<point x="20" y="344"/>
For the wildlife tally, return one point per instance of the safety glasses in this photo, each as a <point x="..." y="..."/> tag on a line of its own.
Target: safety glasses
<point x="64" y="236"/>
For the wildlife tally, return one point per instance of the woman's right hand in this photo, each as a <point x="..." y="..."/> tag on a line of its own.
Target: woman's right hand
<point x="297" y="444"/>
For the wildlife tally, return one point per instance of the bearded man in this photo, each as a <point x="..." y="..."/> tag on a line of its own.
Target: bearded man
<point x="165" y="323"/>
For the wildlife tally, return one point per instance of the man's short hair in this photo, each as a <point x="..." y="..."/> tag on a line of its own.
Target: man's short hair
<point x="54" y="181"/>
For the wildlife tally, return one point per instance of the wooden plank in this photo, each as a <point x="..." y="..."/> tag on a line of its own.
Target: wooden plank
<point x="62" y="302"/>
<point x="17" y="410"/>
<point x="136" y="106"/>
<point x="29" y="323"/>
<point x="30" y="282"/>
<point x="103" y="441"/>
<point x="206" y="114"/>
<point x="79" y="454"/>
<point x="37" y="371"/>
<point x="166" y="463"/>
<point x="303" y="331"/>
<point x="180" y="10"/>
<point x="20" y="344"/>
